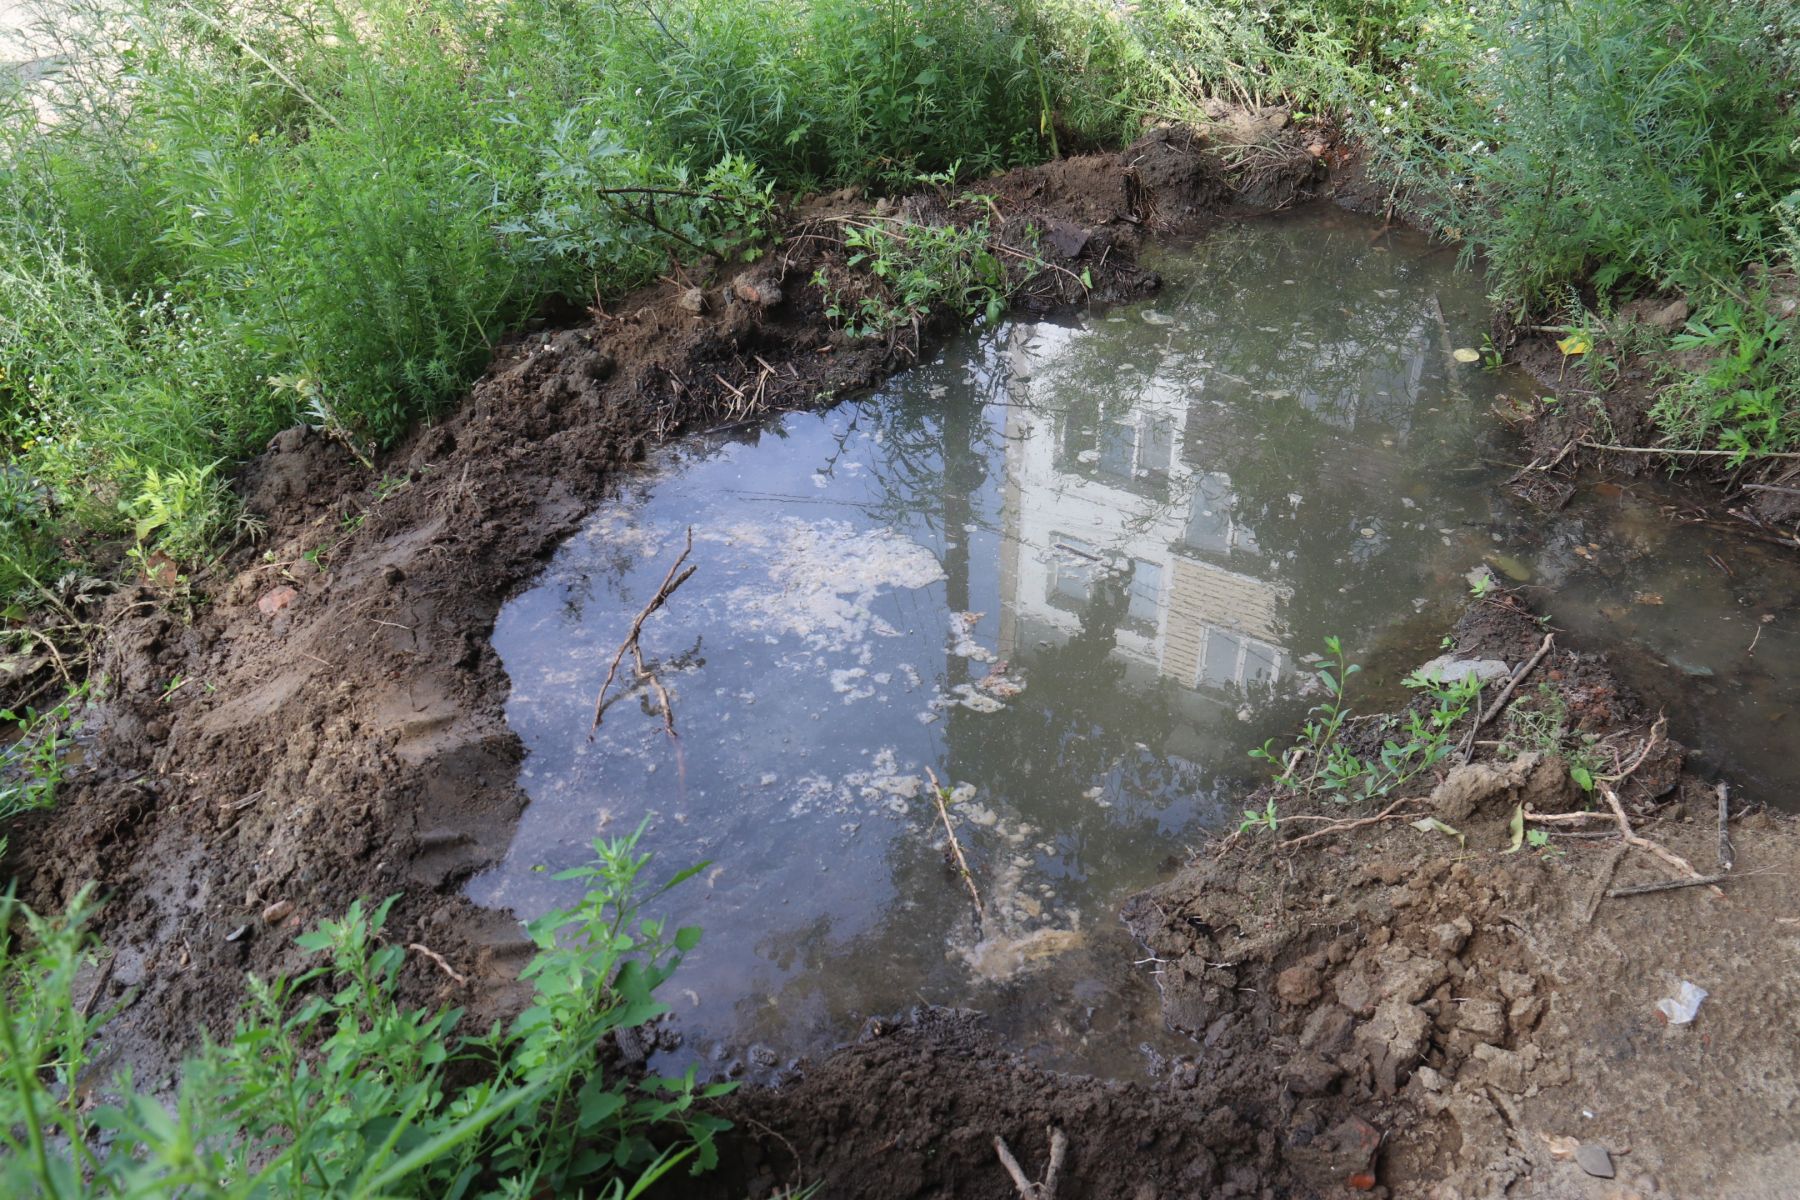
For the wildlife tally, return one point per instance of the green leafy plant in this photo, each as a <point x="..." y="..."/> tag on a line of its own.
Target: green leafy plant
<point x="1410" y="743"/>
<point x="913" y="271"/>
<point x="329" y="1087"/>
<point x="1263" y="818"/>
<point x="1742" y="398"/>
<point x="1539" y="724"/>
<point x="32" y="764"/>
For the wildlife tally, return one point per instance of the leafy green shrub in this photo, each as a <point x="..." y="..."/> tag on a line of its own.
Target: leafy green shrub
<point x="329" y="1087"/>
<point x="1411" y="743"/>
<point x="913" y="270"/>
<point x="1619" y="142"/>
<point x="1745" y="396"/>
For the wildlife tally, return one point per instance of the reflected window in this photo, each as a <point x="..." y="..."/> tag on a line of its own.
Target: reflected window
<point x="1231" y="660"/>
<point x="1073" y="567"/>
<point x="1262" y="664"/>
<point x="1209" y="516"/>
<point x="1157" y="453"/>
<point x="1118" y="449"/>
<point x="1219" y="659"/>
<point x="1143" y="606"/>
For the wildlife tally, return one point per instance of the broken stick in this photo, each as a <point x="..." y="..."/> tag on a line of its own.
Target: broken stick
<point x="1643" y="843"/>
<point x="1644" y="889"/>
<point x="1044" y="1189"/>
<point x="1727" y="855"/>
<point x="1483" y="718"/>
<point x="645" y="675"/>
<point x="962" y="864"/>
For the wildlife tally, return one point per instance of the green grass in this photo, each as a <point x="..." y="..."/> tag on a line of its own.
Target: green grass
<point x="242" y="215"/>
<point x="330" y="1087"/>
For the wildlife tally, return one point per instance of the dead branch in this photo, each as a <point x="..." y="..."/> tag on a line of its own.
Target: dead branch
<point x="1656" y="733"/>
<point x="1493" y="710"/>
<point x="1643" y="843"/>
<point x="645" y="676"/>
<point x="1675" y="453"/>
<point x="1046" y="1188"/>
<point x="1386" y="814"/>
<point x="1727" y="855"/>
<point x="1644" y="889"/>
<point x="460" y="979"/>
<point x="962" y="864"/>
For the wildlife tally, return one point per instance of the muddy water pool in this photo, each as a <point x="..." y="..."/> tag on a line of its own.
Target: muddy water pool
<point x="1073" y="570"/>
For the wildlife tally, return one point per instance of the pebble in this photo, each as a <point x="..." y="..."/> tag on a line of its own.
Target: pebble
<point x="1594" y="1159"/>
<point x="278" y="912"/>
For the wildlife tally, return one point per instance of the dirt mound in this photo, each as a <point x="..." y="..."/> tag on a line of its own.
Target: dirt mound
<point x="321" y="717"/>
<point x="913" y="1109"/>
<point x="1476" y="1000"/>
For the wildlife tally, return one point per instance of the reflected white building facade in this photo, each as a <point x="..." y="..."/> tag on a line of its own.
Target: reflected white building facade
<point x="1125" y="500"/>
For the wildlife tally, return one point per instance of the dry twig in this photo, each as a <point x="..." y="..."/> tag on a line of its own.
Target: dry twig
<point x="1727" y="855"/>
<point x="962" y="864"/>
<point x="645" y="676"/>
<point x="1644" y="889"/>
<point x="1386" y="814"/>
<point x="1643" y="843"/>
<point x="1044" y="1189"/>
<point x="460" y="979"/>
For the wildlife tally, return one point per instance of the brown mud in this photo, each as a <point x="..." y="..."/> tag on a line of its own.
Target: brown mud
<point x="339" y="732"/>
<point x="1611" y="405"/>
<point x="1389" y="1011"/>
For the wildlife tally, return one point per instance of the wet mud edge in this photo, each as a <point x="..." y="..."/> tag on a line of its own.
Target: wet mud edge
<point x="346" y="738"/>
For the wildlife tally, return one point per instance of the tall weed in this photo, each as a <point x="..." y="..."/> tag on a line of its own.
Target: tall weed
<point x="329" y="1087"/>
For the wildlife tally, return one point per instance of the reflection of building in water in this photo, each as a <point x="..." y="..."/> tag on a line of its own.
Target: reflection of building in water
<point x="1120" y="497"/>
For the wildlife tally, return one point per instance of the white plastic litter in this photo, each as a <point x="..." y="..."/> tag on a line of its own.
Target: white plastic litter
<point x="1680" y="1008"/>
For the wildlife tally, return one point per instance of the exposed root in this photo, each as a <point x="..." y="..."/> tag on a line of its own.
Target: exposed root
<point x="1044" y="1189"/>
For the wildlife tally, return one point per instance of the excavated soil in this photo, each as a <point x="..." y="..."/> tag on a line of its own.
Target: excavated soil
<point x="1383" y="1001"/>
<point x="1389" y="1011"/>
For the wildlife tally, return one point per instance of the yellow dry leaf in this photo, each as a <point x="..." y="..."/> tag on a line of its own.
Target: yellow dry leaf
<point x="1562" y="1149"/>
<point x="1465" y="355"/>
<point x="1575" y="343"/>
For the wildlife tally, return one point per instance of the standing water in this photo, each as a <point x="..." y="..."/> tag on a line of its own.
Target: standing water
<point x="1071" y="570"/>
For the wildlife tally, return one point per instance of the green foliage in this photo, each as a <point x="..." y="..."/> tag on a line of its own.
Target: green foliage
<point x="31" y="765"/>
<point x="1417" y="739"/>
<point x="1743" y="397"/>
<point x="1621" y="143"/>
<point x="910" y="271"/>
<point x="328" y="1087"/>
<point x="1539" y="724"/>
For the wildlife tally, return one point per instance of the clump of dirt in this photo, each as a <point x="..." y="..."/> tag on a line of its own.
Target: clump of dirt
<point x="338" y="730"/>
<point x="1476" y="999"/>
<point x="913" y="1108"/>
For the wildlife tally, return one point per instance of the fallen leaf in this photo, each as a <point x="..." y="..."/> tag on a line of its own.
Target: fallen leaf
<point x="1562" y="1149"/>
<point x="1575" y="343"/>
<point x="1433" y="825"/>
<point x="1646" y="598"/>
<point x="1518" y="828"/>
<point x="1463" y="354"/>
